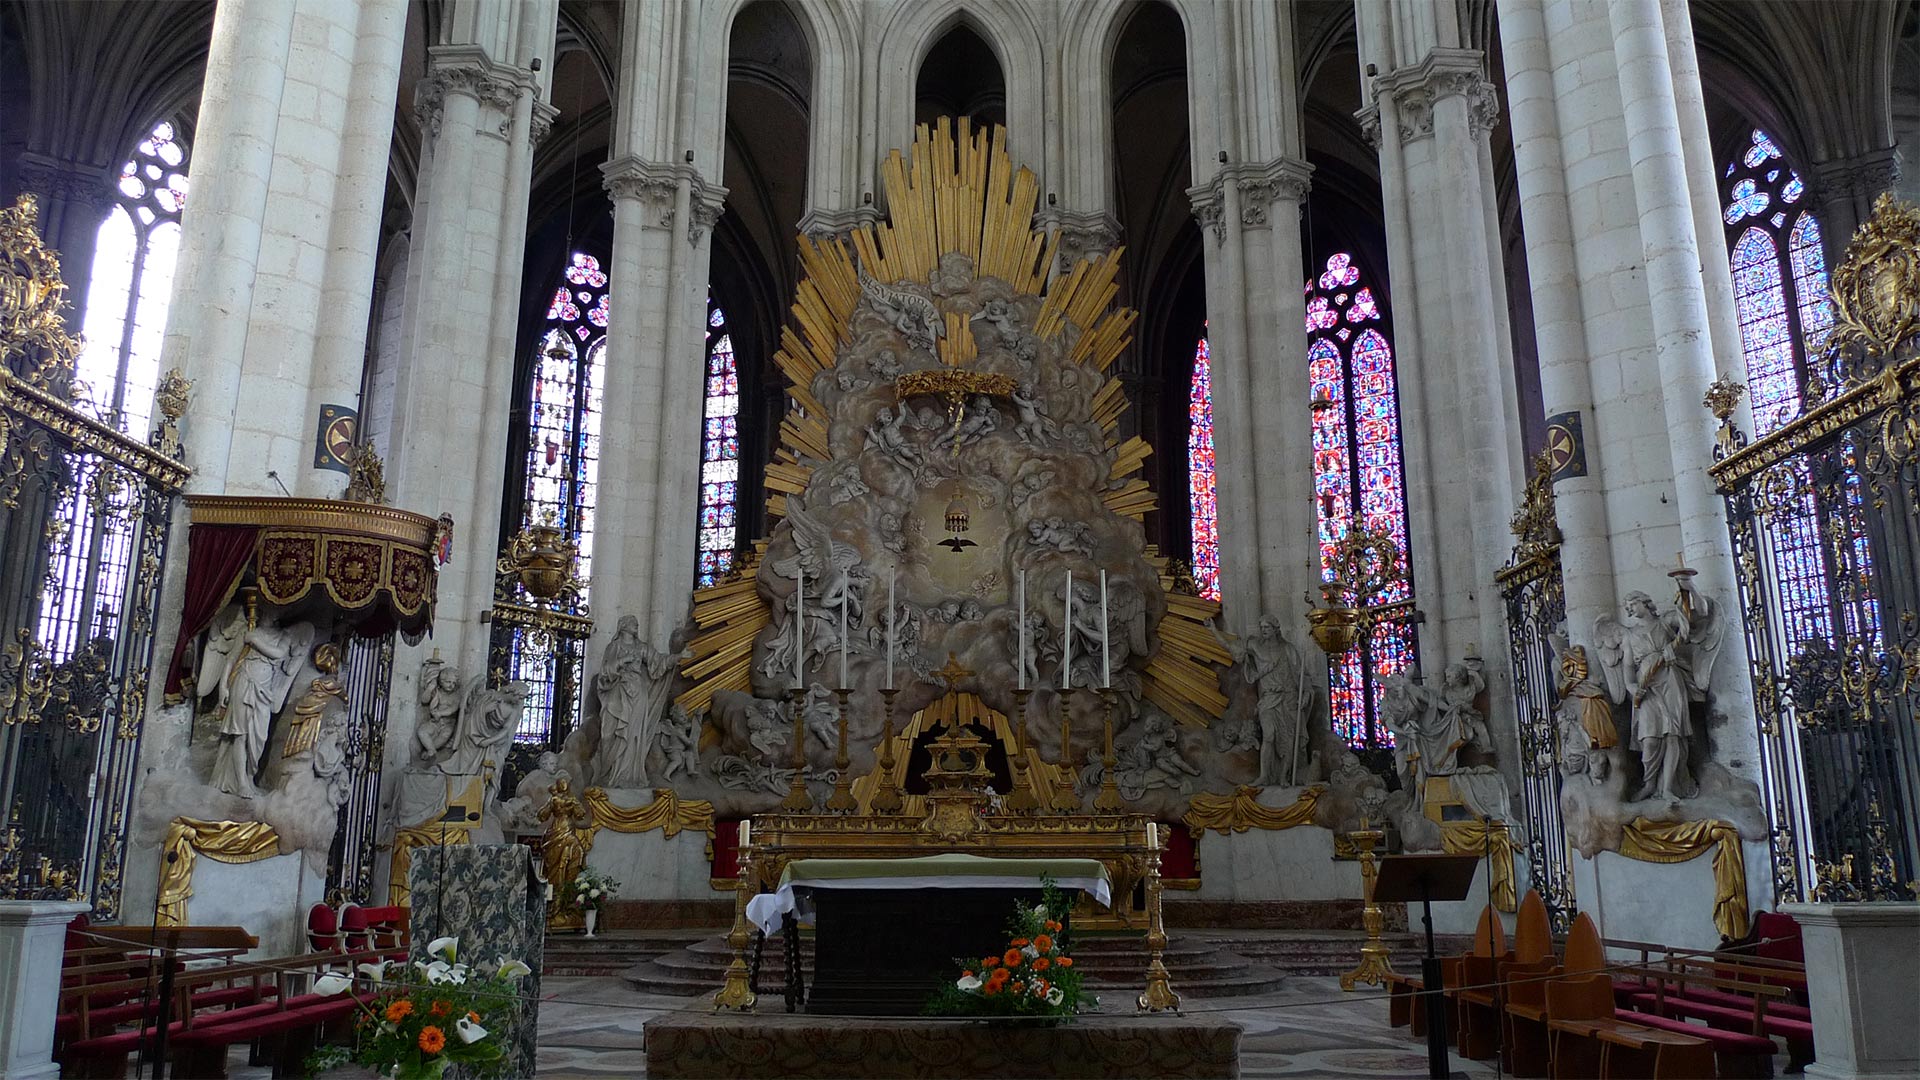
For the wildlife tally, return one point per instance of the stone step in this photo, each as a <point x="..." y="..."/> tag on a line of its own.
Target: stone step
<point x="613" y="952"/>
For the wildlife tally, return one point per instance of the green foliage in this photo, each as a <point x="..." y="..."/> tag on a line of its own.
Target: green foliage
<point x="1033" y="977"/>
<point x="421" y="1017"/>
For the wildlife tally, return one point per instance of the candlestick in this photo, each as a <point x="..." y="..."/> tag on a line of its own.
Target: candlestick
<point x="1106" y="650"/>
<point x="893" y="628"/>
<point x="886" y="793"/>
<point x="1065" y="800"/>
<point x="1108" y="799"/>
<point x="1022" y="799"/>
<point x="798" y="801"/>
<point x="1021" y="660"/>
<point x="799" y="626"/>
<point x="845" y="591"/>
<point x="842" y="800"/>
<point x="1066" y="662"/>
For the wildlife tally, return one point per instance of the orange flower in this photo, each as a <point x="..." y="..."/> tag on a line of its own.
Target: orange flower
<point x="1017" y="987"/>
<point x="1018" y="942"/>
<point x="1065" y="961"/>
<point x="473" y="1017"/>
<point x="1043" y="943"/>
<point x="991" y="988"/>
<point x="1013" y="958"/>
<point x="999" y="976"/>
<point x="432" y="1039"/>
<point x="399" y="1010"/>
<point x="989" y="961"/>
<point x="1041" y="963"/>
<point x="441" y="1008"/>
<point x="1040" y="986"/>
<point x="1053" y="927"/>
<point x="966" y="973"/>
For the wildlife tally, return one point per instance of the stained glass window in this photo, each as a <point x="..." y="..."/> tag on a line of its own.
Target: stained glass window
<point x="1780" y="294"/>
<point x="115" y="375"/>
<point x="1201" y="494"/>
<point x="1358" y="470"/>
<point x="719" y="452"/>
<point x="562" y="470"/>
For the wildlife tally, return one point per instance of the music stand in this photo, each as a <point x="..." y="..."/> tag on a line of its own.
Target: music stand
<point x="1426" y="878"/>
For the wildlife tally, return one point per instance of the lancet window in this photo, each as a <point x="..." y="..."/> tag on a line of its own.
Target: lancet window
<point x="561" y="475"/>
<point x="1202" y="497"/>
<point x="1359" y="476"/>
<point x="719" y="452"/>
<point x="1780" y="292"/>
<point x="117" y="371"/>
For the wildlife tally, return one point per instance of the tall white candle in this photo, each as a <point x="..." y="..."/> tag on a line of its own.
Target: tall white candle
<point x="1106" y="650"/>
<point x="843" y="638"/>
<point x="799" y="626"/>
<point x="893" y="629"/>
<point x="1066" y="663"/>
<point x="1021" y="660"/>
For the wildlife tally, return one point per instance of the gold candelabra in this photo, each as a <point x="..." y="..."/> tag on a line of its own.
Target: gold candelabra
<point x="1022" y="799"/>
<point x="737" y="992"/>
<point x="1159" y="995"/>
<point x="1109" y="797"/>
<point x="798" y="800"/>
<point x="1375" y="959"/>
<point x="886" y="792"/>
<point x="1066" y="800"/>
<point x="842" y="800"/>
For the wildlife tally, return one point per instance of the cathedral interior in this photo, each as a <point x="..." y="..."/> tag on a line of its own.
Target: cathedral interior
<point x="1227" y="459"/>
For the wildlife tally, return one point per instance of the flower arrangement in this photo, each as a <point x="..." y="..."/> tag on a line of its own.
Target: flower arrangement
<point x="591" y="888"/>
<point x="1033" y="977"/>
<point x="416" y="1019"/>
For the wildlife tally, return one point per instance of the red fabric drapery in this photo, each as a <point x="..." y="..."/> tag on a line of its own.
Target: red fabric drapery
<point x="216" y="557"/>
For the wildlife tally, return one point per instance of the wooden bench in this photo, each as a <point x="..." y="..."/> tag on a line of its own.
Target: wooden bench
<point x="1406" y="1001"/>
<point x="1589" y="1036"/>
<point x="1731" y="1001"/>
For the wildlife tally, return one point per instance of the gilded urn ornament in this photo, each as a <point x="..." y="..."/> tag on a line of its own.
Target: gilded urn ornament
<point x="542" y="558"/>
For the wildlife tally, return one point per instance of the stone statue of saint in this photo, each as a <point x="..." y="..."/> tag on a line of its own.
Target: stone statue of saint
<point x="1431" y="727"/>
<point x="485" y="734"/>
<point x="255" y="686"/>
<point x="679" y="744"/>
<point x="1153" y="760"/>
<point x="569" y="836"/>
<point x="633" y="682"/>
<point x="1661" y="664"/>
<point x="1272" y="664"/>
<point x="1586" y="716"/>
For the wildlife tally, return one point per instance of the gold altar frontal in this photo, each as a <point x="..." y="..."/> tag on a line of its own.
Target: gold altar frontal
<point x="1128" y="845"/>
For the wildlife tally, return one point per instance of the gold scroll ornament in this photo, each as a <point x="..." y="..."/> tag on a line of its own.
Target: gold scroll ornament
<point x="1682" y="841"/>
<point x="223" y="841"/>
<point x="667" y="812"/>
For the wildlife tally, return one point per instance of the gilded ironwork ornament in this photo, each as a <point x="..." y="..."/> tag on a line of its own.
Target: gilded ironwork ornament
<point x="366" y="477"/>
<point x="1876" y="288"/>
<point x="542" y="559"/>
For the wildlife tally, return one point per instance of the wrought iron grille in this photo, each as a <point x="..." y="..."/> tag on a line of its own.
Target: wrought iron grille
<point x="367" y="675"/>
<point x="1822" y="514"/>
<point x="546" y="648"/>
<point x="1536" y="603"/>
<point x="84" y="515"/>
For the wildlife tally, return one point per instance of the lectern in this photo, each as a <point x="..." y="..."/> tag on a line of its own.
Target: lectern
<point x="1426" y="878"/>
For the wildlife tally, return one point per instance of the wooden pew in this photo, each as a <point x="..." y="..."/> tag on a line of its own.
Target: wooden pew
<point x="151" y="993"/>
<point x="1522" y="1012"/>
<point x="1742" y="1013"/>
<point x="1590" y="1038"/>
<point x="1407" y="1006"/>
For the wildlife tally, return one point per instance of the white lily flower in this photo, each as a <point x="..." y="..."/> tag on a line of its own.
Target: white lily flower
<point x="439" y="972"/>
<point x="969" y="982"/>
<point x="1031" y="951"/>
<point x="1055" y="996"/>
<point x="1040" y="912"/>
<point x="331" y="983"/>
<point x="458" y="973"/>
<point x="468" y="1031"/>
<point x="513" y="969"/>
<point x="375" y="973"/>
<point x="444" y="946"/>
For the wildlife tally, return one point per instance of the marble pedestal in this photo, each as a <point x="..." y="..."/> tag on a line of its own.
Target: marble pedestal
<point x="32" y="939"/>
<point x="1862" y="982"/>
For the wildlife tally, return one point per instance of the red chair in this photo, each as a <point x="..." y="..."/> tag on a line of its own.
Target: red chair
<point x="323" y="930"/>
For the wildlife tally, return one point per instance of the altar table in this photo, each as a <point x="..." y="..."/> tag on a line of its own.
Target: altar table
<point x="883" y="943"/>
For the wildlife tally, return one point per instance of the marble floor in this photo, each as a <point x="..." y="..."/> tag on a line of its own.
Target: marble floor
<point x="591" y="1029"/>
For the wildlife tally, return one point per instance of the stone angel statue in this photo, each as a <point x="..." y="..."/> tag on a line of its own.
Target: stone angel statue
<point x="258" y="678"/>
<point x="1660" y="663"/>
<point x="836" y="566"/>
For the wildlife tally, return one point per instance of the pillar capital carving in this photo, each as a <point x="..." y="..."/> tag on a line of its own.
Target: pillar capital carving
<point x="824" y="225"/>
<point x="1444" y="73"/>
<point x="1083" y="233"/>
<point x="467" y="70"/>
<point x="541" y="123"/>
<point x="1859" y="177"/>
<point x="69" y="181"/>
<point x="656" y="186"/>
<point x="1258" y="185"/>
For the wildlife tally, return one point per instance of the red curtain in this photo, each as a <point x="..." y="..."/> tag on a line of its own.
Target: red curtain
<point x="216" y="557"/>
<point x="726" y="850"/>
<point x="1180" y="859"/>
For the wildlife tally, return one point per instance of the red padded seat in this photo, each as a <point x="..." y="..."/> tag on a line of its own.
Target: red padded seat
<point x="323" y="929"/>
<point x="1724" y="1042"/>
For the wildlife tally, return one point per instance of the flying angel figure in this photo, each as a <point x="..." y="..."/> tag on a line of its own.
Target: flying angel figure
<point x="835" y="565"/>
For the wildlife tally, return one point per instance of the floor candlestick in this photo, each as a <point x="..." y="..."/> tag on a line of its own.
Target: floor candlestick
<point x="886" y="793"/>
<point x="842" y="800"/>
